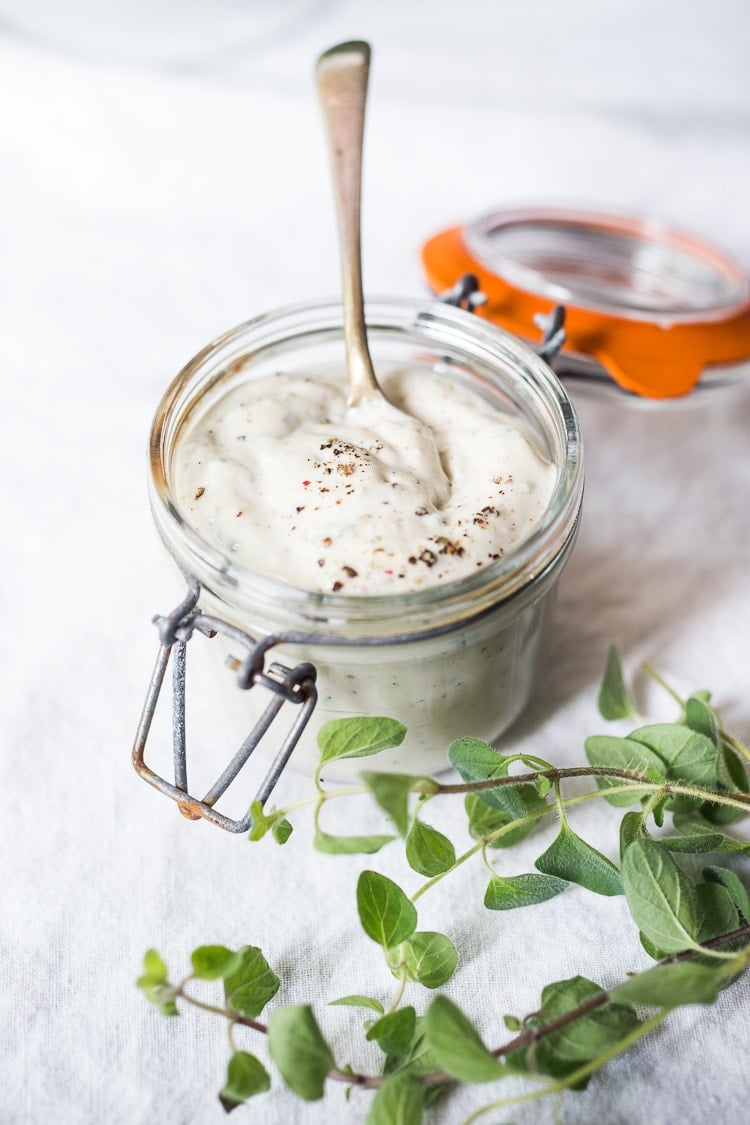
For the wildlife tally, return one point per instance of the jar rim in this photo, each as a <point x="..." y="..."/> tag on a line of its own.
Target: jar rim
<point x="431" y="323"/>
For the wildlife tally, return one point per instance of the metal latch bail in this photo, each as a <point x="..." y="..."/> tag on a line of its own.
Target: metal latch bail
<point x="286" y="685"/>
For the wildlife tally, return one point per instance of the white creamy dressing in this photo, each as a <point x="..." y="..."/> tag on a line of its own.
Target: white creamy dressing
<point x="285" y="478"/>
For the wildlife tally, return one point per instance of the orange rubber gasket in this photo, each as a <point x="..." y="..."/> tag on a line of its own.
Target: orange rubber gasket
<point x="656" y="360"/>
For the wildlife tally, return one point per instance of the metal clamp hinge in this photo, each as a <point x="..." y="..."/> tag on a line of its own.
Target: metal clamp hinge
<point x="287" y="685"/>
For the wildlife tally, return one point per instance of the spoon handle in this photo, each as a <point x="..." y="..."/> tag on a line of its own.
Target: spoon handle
<point x="341" y="74"/>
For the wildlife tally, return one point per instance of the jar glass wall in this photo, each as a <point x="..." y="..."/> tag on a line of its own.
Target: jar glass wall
<point x="449" y="660"/>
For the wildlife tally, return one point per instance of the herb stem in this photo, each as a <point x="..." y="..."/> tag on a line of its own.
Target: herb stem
<point x="649" y="670"/>
<point x="403" y="978"/>
<point x="227" y="1013"/>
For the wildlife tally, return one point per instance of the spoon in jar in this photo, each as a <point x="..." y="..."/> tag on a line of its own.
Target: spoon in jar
<point x="342" y="74"/>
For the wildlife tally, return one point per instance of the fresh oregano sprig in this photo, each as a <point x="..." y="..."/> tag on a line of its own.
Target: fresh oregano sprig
<point x="698" y="931"/>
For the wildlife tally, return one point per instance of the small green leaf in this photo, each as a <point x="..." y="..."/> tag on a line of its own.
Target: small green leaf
<point x="631" y="828"/>
<point x="689" y="756"/>
<point x="614" y="700"/>
<point x="457" y="1045"/>
<point x="693" y="824"/>
<point x="211" y="962"/>
<point x="697" y="842"/>
<point x="562" y="1052"/>
<point x="417" y="1059"/>
<point x="512" y="1023"/>
<point x="391" y="791"/>
<point x="394" y="1032"/>
<point x="399" y="1101"/>
<point x="485" y="820"/>
<point x="428" y="851"/>
<point x="653" y="951"/>
<point x="571" y="858"/>
<point x="669" y="986"/>
<point x="297" y="1046"/>
<point x="155" y="985"/>
<point x="161" y="995"/>
<point x="699" y="716"/>
<point x="281" y="830"/>
<point x="358" y="737"/>
<point x="733" y="885"/>
<point x="249" y="988"/>
<point x="660" y="896"/>
<point x="260" y="822"/>
<point x="521" y="890"/>
<point x="477" y="761"/>
<point x="386" y="914"/>
<point x="349" y="845"/>
<point x="360" y="1002"/>
<point x="543" y="786"/>
<point x="154" y="967"/>
<point x="623" y="754"/>
<point x="431" y="958"/>
<point x="717" y="913"/>
<point x="246" y="1076"/>
<point x="733" y="778"/>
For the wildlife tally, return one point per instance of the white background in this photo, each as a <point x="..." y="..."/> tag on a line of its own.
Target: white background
<point x="163" y="177"/>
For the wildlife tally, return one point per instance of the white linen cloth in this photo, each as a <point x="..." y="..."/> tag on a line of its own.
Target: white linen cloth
<point x="143" y="210"/>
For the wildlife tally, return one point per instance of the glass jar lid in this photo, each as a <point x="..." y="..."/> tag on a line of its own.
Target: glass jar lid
<point x="650" y="305"/>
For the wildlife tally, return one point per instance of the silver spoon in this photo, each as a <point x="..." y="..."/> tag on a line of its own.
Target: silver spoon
<point x="341" y="74"/>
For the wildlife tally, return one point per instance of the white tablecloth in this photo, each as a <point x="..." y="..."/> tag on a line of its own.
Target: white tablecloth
<point x="144" y="209"/>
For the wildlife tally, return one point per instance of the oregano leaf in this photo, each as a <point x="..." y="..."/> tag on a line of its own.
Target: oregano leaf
<point x="484" y="819"/>
<point x="717" y="913"/>
<point x="696" y="842"/>
<point x="155" y="986"/>
<point x="693" y="824"/>
<point x="260" y="822"/>
<point x="281" y="830"/>
<point x="428" y="851"/>
<point x="357" y="1001"/>
<point x="543" y="786"/>
<point x="660" y="896"/>
<point x="699" y="716"/>
<point x="399" y="1101"/>
<point x="689" y="756"/>
<point x="417" y="1058"/>
<point x="564" y="1051"/>
<point x="212" y="962"/>
<point x="623" y="754"/>
<point x="509" y="892"/>
<point x="571" y="858"/>
<point x="669" y="986"/>
<point x="356" y="737"/>
<point x="431" y="958"/>
<point x="733" y="885"/>
<point x="252" y="984"/>
<point x="391" y="791"/>
<point x="246" y="1076"/>
<point x="457" y="1045"/>
<point x="154" y="967"/>
<point x="386" y="914"/>
<point x="298" y="1048"/>
<point x="631" y="828"/>
<point x="161" y="995"/>
<point x="478" y="761"/>
<point x="614" y="700"/>
<point x="394" y="1032"/>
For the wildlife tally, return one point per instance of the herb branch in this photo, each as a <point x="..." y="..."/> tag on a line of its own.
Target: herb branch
<point x="697" y="932"/>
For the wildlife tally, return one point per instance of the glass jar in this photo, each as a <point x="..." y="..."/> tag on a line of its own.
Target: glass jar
<point x="452" y="660"/>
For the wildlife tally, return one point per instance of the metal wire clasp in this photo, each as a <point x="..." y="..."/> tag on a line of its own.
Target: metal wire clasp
<point x="287" y="685"/>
